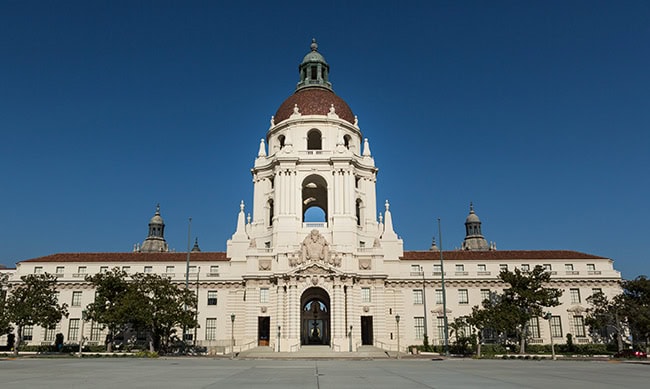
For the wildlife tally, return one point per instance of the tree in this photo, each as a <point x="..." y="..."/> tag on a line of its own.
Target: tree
<point x="161" y="308"/>
<point x="604" y="314"/>
<point x="34" y="302"/>
<point x="636" y="298"/>
<point x="110" y="308"/>
<point x="458" y="331"/>
<point x="526" y="298"/>
<point x="5" y="324"/>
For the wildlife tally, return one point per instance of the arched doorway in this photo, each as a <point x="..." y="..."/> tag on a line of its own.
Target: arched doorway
<point x="315" y="317"/>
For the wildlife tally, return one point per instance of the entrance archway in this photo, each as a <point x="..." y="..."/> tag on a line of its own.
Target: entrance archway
<point x="315" y="317"/>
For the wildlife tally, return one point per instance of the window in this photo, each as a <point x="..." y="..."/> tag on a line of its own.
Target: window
<point x="60" y="269"/>
<point x="440" y="324"/>
<point x="189" y="336"/>
<point x="148" y="269"/>
<point x="365" y="295"/>
<point x="579" y="326"/>
<point x="460" y="267"/>
<point x="214" y="270"/>
<point x="439" y="296"/>
<point x="76" y="299"/>
<point x="419" y="327"/>
<point x="596" y="291"/>
<point x="591" y="267"/>
<point x="95" y="332"/>
<point x="264" y="295"/>
<point x="482" y="267"/>
<point x="525" y="267"/>
<point x="556" y="327"/>
<point x="28" y="332"/>
<point x="503" y="267"/>
<point x="192" y="270"/>
<point x="533" y="327"/>
<point x="416" y="270"/>
<point x="81" y="270"/>
<point x="49" y="334"/>
<point x="169" y="269"/>
<point x="568" y="267"/>
<point x="463" y="296"/>
<point x="103" y="269"/>
<point x="212" y="297"/>
<point x="548" y="267"/>
<point x="38" y="269"/>
<point x="73" y="330"/>
<point x="485" y="294"/>
<point x="211" y="328"/>
<point x="575" y="296"/>
<point x="437" y="269"/>
<point x="126" y="268"/>
<point x="314" y="141"/>
<point x="417" y="296"/>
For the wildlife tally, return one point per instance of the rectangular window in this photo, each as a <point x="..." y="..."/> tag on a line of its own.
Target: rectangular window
<point x="596" y="291"/>
<point x="81" y="270"/>
<point x="38" y="269"/>
<point x="575" y="296"/>
<point x="126" y="268"/>
<point x="482" y="267"/>
<point x="463" y="296"/>
<point x="212" y="297"/>
<point x="460" y="267"/>
<point x="417" y="296"/>
<point x="264" y="295"/>
<point x="556" y="327"/>
<point x="503" y="267"/>
<point x="437" y="269"/>
<point x="95" y="332"/>
<point x="438" y="296"/>
<point x="533" y="327"/>
<point x="192" y="270"/>
<point x="49" y="335"/>
<point x="148" y="269"/>
<point x="416" y="270"/>
<point x="548" y="267"/>
<point x="365" y="295"/>
<point x="591" y="267"/>
<point x="76" y="299"/>
<point x="103" y="269"/>
<point x="568" y="267"/>
<point x="419" y="327"/>
<point x="579" y="326"/>
<point x="28" y="333"/>
<point x="73" y="330"/>
<point x="211" y="328"/>
<point x="485" y="294"/>
<point x="60" y="269"/>
<point x="214" y="270"/>
<point x="525" y="267"/>
<point x="440" y="324"/>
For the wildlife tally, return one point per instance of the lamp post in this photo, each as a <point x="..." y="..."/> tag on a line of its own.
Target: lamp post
<point x="187" y="274"/>
<point x="444" y="292"/>
<point x="397" y="322"/>
<point x="548" y="317"/>
<point x="350" y="338"/>
<point x="279" y="328"/>
<point x="84" y="316"/>
<point x="232" y="336"/>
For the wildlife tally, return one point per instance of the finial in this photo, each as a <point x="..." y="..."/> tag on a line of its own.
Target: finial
<point x="158" y="209"/>
<point x="241" y="206"/>
<point x="387" y="205"/>
<point x="314" y="45"/>
<point x="381" y="218"/>
<point x="471" y="207"/>
<point x="248" y="218"/>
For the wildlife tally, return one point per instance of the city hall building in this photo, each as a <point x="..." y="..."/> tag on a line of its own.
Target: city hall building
<point x="287" y="282"/>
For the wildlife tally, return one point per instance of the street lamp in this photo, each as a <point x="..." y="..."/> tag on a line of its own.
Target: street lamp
<point x="279" y="328"/>
<point x="84" y="317"/>
<point x="397" y="321"/>
<point x="548" y="317"/>
<point x="232" y="336"/>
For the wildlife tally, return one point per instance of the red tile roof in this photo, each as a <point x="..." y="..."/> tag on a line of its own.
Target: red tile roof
<point x="131" y="257"/>
<point x="314" y="101"/>
<point x="497" y="255"/>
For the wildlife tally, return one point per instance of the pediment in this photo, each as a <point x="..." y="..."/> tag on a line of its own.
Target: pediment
<point x="314" y="269"/>
<point x="438" y="310"/>
<point x="577" y="309"/>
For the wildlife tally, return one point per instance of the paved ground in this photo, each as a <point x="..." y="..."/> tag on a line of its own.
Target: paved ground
<point x="113" y="373"/>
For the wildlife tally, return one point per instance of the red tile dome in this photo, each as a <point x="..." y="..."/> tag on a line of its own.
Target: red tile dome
<point x="314" y="101"/>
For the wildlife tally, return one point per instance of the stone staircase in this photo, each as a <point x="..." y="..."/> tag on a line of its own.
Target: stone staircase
<point x="314" y="352"/>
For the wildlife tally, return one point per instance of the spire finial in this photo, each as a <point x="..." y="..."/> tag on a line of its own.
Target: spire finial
<point x="314" y="45"/>
<point x="158" y="209"/>
<point x="471" y="207"/>
<point x="241" y="206"/>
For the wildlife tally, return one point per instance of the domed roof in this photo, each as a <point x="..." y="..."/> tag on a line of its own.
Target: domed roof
<point x="314" y="101"/>
<point x="157" y="219"/>
<point x="472" y="217"/>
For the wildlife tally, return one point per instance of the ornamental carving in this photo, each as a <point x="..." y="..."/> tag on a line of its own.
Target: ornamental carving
<point x="365" y="264"/>
<point x="314" y="248"/>
<point x="264" y="264"/>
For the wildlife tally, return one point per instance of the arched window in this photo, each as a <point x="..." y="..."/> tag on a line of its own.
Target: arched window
<point x="358" y="211"/>
<point x="314" y="140"/>
<point x="281" y="139"/>
<point x="270" y="205"/>
<point x="346" y="141"/>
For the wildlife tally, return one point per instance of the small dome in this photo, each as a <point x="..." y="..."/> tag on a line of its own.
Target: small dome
<point x="314" y="101"/>
<point x="313" y="56"/>
<point x="472" y="217"/>
<point x="157" y="219"/>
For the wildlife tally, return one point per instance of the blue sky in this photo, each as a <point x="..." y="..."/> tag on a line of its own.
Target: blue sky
<point x="536" y="111"/>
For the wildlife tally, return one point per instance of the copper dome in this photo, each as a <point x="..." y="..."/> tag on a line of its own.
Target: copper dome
<point x="314" y="101"/>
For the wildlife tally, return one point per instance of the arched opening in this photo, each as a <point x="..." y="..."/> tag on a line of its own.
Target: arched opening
<point x="270" y="212"/>
<point x="281" y="140"/>
<point x="346" y="141"/>
<point x="359" y="211"/>
<point x="314" y="140"/>
<point x="314" y="199"/>
<point x="315" y="317"/>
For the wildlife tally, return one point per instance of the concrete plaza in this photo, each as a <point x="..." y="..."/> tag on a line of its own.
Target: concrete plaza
<point x="111" y="373"/>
